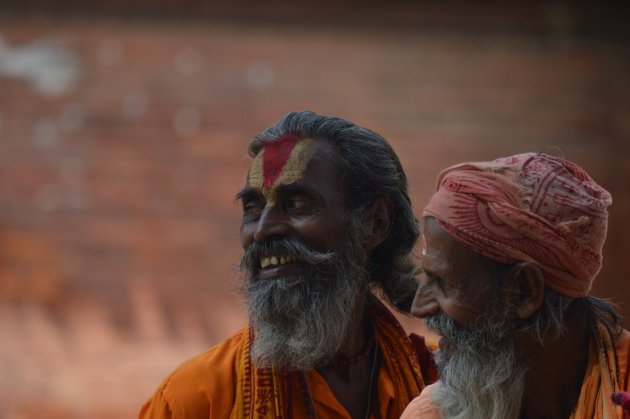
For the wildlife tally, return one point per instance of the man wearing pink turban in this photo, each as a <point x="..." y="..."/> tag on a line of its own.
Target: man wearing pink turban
<point x="511" y="250"/>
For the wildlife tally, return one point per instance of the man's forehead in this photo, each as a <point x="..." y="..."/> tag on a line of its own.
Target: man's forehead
<point x="443" y="253"/>
<point x="281" y="162"/>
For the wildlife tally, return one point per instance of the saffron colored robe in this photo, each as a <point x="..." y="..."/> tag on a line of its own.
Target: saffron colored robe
<point x="607" y="372"/>
<point x="222" y="383"/>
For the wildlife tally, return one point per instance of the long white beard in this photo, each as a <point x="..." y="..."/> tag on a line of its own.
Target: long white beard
<point x="301" y="321"/>
<point x="480" y="376"/>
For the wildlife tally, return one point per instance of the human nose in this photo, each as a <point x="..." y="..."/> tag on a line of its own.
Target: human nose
<point x="424" y="303"/>
<point x="271" y="223"/>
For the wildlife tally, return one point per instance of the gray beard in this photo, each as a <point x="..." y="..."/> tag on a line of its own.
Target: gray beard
<point x="479" y="373"/>
<point x="301" y="321"/>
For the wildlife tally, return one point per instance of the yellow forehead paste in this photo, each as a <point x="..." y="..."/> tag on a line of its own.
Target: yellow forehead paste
<point x="255" y="175"/>
<point x="266" y="174"/>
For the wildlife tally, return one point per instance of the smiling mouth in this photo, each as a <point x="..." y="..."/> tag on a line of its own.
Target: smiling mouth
<point x="271" y="261"/>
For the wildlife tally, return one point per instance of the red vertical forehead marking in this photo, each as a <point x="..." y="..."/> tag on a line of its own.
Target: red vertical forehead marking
<point x="275" y="157"/>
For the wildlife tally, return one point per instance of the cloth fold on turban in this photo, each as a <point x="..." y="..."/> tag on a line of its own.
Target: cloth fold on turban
<point x="531" y="207"/>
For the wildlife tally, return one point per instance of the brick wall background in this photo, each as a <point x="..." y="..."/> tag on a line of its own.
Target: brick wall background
<point x="123" y="130"/>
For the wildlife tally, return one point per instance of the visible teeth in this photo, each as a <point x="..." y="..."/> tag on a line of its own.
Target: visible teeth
<point x="274" y="260"/>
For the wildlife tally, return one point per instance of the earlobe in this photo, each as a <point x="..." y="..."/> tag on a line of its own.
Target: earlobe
<point x="530" y="284"/>
<point x="381" y="220"/>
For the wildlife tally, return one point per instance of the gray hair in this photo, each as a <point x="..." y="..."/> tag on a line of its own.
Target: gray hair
<point x="549" y="319"/>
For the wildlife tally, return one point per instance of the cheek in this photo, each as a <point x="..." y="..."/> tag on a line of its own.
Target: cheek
<point x="246" y="235"/>
<point x="319" y="229"/>
<point x="462" y="312"/>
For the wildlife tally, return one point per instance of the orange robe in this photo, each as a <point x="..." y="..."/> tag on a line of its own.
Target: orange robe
<point x="222" y="383"/>
<point x="607" y="371"/>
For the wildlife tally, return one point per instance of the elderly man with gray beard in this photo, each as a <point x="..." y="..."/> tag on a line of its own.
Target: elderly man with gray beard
<point x="327" y="222"/>
<point x="511" y="249"/>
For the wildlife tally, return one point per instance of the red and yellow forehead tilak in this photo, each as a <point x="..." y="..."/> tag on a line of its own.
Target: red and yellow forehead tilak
<point x="280" y="163"/>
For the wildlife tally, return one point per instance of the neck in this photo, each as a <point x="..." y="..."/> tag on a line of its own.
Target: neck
<point x="558" y="368"/>
<point x="358" y="333"/>
<point x="353" y="381"/>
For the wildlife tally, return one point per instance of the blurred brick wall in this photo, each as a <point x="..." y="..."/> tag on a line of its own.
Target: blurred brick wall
<point x="122" y="143"/>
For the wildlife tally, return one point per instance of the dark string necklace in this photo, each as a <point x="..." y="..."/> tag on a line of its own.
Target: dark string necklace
<point x="342" y="360"/>
<point x="370" y="348"/>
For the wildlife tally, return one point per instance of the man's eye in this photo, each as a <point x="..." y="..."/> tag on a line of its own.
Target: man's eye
<point x="437" y="281"/>
<point x="296" y="205"/>
<point x="251" y="208"/>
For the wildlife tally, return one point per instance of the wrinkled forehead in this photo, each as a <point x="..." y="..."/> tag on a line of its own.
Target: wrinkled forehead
<point x="443" y="254"/>
<point x="281" y="162"/>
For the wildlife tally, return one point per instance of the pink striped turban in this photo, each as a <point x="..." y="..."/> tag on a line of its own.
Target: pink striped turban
<point x="531" y="207"/>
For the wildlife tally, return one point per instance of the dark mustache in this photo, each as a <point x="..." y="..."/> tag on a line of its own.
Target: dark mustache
<point x="284" y="246"/>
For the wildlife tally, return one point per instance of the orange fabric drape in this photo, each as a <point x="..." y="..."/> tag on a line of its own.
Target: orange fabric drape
<point x="606" y="373"/>
<point x="264" y="392"/>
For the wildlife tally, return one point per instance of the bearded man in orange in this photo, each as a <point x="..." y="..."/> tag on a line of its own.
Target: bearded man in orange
<point x="327" y="221"/>
<point x="512" y="247"/>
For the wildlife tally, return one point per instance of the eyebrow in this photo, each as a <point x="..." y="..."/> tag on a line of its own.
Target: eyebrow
<point x="429" y="272"/>
<point x="295" y="188"/>
<point x="464" y="278"/>
<point x="246" y="193"/>
<point x="440" y="270"/>
<point x="290" y="189"/>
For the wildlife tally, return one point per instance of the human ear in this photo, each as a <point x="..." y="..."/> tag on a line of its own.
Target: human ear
<point x="380" y="220"/>
<point x="529" y="283"/>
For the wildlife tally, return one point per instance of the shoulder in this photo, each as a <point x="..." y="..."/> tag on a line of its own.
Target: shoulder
<point x="197" y="386"/>
<point x="210" y="365"/>
<point x="422" y="406"/>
